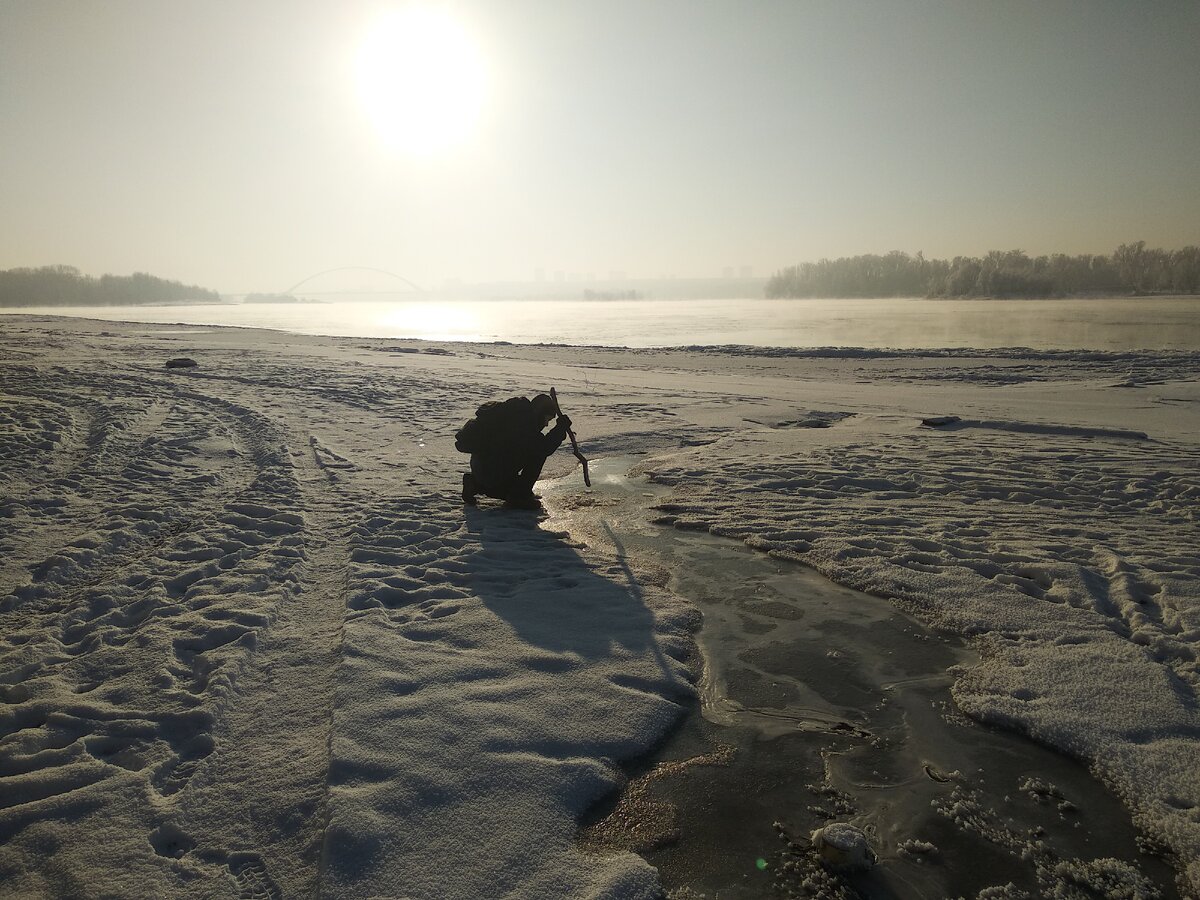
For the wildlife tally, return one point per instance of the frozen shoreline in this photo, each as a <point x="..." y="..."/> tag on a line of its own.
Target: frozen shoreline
<point x="821" y="703"/>
<point x="251" y="638"/>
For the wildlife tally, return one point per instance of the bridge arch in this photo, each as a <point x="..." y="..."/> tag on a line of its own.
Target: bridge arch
<point x="304" y="281"/>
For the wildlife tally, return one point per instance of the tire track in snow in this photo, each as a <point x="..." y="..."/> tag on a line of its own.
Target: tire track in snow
<point x="123" y="648"/>
<point x="274" y="743"/>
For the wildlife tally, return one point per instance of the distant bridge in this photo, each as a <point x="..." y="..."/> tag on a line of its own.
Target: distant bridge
<point x="305" y="281"/>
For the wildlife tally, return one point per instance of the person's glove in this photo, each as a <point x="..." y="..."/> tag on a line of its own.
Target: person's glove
<point x="564" y="421"/>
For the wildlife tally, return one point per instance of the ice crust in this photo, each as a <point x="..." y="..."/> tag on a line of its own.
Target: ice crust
<point x="251" y="644"/>
<point x="843" y="847"/>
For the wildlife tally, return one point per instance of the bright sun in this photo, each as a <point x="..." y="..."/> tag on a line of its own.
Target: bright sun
<point x="420" y="79"/>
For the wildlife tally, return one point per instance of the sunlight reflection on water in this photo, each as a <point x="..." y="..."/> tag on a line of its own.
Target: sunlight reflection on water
<point x="1117" y="323"/>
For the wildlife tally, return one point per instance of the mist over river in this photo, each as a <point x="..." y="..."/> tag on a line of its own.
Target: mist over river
<point x="1110" y="323"/>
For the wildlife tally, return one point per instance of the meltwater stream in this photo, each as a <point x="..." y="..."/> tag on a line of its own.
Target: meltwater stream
<point x="821" y="704"/>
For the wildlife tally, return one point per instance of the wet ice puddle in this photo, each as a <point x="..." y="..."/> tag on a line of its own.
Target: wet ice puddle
<point x="822" y="704"/>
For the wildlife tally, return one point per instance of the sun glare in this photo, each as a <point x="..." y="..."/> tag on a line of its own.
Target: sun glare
<point x="429" y="321"/>
<point x="420" y="79"/>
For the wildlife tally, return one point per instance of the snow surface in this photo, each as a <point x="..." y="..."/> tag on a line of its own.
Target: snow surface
<point x="251" y="643"/>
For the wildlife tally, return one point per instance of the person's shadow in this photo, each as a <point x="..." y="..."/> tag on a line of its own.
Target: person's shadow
<point x="554" y="599"/>
<point x="497" y="734"/>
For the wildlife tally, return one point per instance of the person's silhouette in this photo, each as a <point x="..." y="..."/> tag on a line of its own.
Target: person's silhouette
<point x="508" y="449"/>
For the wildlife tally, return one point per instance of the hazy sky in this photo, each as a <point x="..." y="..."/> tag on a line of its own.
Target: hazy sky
<point x="235" y="144"/>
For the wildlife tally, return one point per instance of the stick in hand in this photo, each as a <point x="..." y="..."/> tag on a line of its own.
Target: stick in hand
<point x="587" y="478"/>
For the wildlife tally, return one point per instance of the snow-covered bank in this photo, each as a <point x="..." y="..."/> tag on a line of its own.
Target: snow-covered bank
<point x="253" y="645"/>
<point x="250" y="640"/>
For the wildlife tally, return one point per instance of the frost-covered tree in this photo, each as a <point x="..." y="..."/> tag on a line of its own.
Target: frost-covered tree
<point x="1133" y="268"/>
<point x="65" y="286"/>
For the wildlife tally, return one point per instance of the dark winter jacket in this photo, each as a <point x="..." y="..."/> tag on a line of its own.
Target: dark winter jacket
<point x="514" y="432"/>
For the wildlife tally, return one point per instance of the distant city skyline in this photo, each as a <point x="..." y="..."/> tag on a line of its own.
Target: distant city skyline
<point x="244" y="146"/>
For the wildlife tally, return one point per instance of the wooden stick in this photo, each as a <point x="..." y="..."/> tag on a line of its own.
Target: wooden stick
<point x="587" y="478"/>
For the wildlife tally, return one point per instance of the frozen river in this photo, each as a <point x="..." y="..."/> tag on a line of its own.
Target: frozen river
<point x="1114" y="323"/>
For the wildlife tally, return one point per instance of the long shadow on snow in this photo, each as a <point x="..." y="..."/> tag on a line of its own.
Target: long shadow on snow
<point x="553" y="598"/>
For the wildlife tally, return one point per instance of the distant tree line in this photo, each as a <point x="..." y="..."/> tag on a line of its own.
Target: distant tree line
<point x="1132" y="269"/>
<point x="66" y="286"/>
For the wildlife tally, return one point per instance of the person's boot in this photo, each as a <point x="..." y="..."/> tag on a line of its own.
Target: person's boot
<point x="468" y="493"/>
<point x="528" y="501"/>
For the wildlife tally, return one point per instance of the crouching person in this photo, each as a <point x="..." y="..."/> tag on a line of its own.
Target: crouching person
<point x="508" y="448"/>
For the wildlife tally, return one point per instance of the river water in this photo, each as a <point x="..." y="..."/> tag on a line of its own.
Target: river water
<point x="1114" y="323"/>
